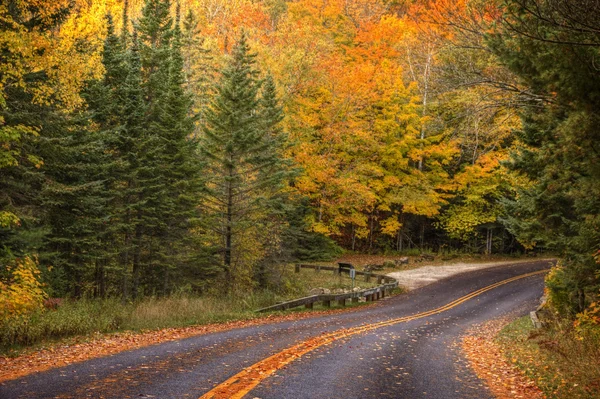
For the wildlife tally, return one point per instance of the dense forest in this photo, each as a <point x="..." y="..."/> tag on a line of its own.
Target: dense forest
<point x="149" y="147"/>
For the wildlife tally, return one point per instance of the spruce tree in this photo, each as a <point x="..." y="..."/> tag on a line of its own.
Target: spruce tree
<point x="107" y="108"/>
<point x="27" y="109"/>
<point x="244" y="168"/>
<point x="199" y="72"/>
<point x="129" y="198"/>
<point x="166" y="171"/>
<point x="75" y="203"/>
<point x="178" y="164"/>
<point x="553" y="48"/>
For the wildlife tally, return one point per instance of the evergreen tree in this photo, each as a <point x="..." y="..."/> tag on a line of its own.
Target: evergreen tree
<point x="165" y="168"/>
<point x="108" y="101"/>
<point x="131" y="145"/>
<point x="178" y="165"/>
<point x="244" y="167"/>
<point x="553" y="48"/>
<point x="75" y="203"/>
<point x="150" y="173"/>
<point x="199" y="73"/>
<point x="28" y="112"/>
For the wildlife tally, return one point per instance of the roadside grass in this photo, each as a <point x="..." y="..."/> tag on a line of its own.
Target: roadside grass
<point x="564" y="364"/>
<point x="86" y="317"/>
<point x="301" y="283"/>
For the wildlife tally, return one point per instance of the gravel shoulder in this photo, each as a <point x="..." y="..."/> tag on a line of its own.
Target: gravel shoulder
<point x="422" y="276"/>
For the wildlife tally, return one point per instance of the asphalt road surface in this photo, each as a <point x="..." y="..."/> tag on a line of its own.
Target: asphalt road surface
<point x="407" y="346"/>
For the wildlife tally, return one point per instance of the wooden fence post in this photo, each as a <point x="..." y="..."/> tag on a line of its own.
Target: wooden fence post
<point x="309" y="305"/>
<point x="297" y="268"/>
<point x="342" y="302"/>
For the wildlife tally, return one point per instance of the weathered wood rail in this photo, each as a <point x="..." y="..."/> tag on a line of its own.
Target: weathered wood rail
<point x="385" y="285"/>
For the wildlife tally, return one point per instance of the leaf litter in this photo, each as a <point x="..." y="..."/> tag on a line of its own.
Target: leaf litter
<point x="86" y="348"/>
<point x="486" y="358"/>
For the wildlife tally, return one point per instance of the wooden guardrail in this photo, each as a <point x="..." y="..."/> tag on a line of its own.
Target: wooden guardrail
<point x="385" y="285"/>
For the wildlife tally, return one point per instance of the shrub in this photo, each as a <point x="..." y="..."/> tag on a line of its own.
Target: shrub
<point x="21" y="291"/>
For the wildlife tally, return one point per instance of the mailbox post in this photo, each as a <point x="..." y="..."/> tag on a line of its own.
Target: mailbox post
<point x="347" y="267"/>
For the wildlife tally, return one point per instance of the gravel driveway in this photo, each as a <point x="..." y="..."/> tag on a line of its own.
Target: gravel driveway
<point x="415" y="278"/>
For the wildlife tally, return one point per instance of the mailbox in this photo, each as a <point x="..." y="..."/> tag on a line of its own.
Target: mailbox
<point x="345" y="268"/>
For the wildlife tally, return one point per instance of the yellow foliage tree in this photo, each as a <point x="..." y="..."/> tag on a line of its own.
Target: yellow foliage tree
<point x="21" y="292"/>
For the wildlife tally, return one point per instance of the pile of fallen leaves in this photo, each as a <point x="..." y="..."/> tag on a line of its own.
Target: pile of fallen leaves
<point x="486" y="358"/>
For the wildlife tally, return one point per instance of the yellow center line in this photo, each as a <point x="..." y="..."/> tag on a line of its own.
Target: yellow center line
<point x="243" y="382"/>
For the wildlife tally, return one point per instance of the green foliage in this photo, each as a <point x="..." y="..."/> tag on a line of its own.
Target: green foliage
<point x="563" y="363"/>
<point x="245" y="171"/>
<point x="75" y="203"/>
<point x="144" y="167"/>
<point x="553" y="50"/>
<point x="198" y="68"/>
<point x="302" y="243"/>
<point x="75" y="318"/>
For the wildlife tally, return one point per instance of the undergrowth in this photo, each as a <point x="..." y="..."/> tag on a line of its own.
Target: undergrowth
<point x="564" y="362"/>
<point x="89" y="316"/>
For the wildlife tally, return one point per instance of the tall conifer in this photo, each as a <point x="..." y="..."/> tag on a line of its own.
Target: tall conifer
<point x="244" y="168"/>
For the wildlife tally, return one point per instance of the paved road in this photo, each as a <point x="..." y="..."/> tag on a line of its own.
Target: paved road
<point x="401" y="357"/>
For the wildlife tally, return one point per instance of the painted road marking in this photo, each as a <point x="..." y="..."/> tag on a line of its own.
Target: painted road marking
<point x="243" y="382"/>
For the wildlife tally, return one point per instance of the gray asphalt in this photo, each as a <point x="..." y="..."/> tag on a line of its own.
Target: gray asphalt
<point x="417" y="359"/>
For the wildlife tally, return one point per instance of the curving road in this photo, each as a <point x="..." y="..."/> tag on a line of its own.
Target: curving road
<point x="405" y="347"/>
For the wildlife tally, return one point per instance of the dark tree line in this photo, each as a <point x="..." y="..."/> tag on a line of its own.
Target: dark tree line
<point x="553" y="46"/>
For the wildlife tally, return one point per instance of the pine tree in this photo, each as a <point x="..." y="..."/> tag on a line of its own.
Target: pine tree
<point x="178" y="163"/>
<point x="142" y="113"/>
<point x="553" y="49"/>
<point x="166" y="170"/>
<point x="244" y="167"/>
<point x="129" y="199"/>
<point x="28" y="111"/>
<point x="199" y="72"/>
<point x="75" y="203"/>
<point x="107" y="101"/>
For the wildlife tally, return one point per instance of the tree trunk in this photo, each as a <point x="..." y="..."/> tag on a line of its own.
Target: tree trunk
<point x="371" y="233"/>
<point x="100" y="283"/>
<point x="425" y="96"/>
<point x="488" y="246"/>
<point x="136" y="261"/>
<point x="228" y="231"/>
<point x="125" y="268"/>
<point x="166" y="282"/>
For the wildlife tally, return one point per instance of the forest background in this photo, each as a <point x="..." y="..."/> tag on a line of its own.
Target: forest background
<point x="153" y="147"/>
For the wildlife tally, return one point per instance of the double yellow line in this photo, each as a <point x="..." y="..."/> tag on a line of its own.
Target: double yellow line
<point x="243" y="382"/>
